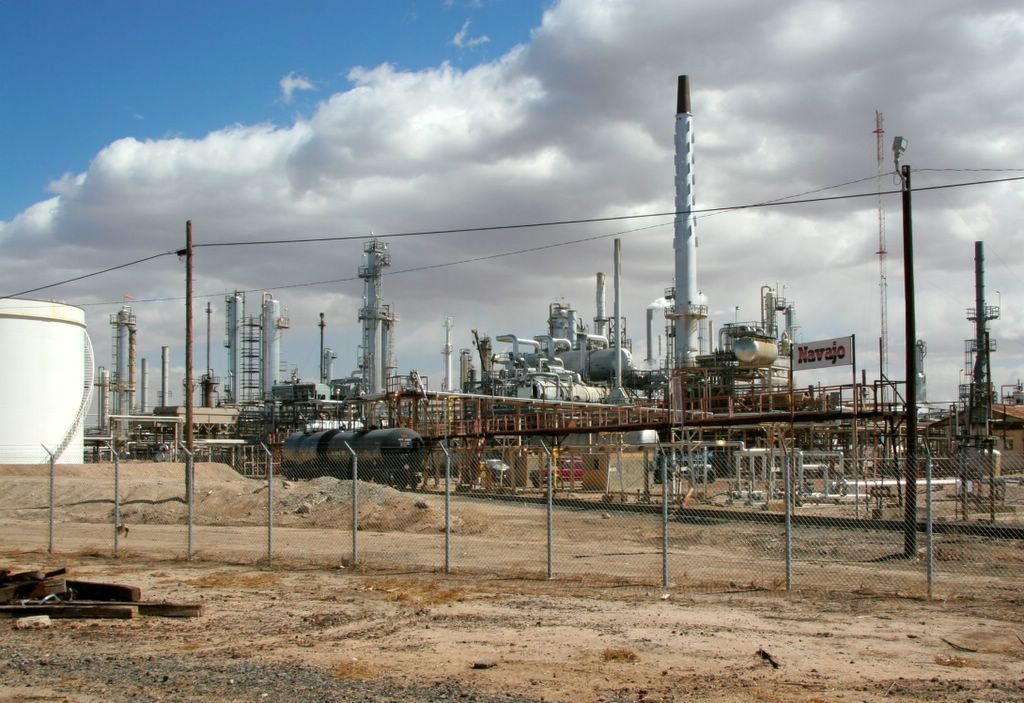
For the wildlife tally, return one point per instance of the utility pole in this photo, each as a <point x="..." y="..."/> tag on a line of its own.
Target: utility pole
<point x="189" y="430"/>
<point x="910" y="340"/>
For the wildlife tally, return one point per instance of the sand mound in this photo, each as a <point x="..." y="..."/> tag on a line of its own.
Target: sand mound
<point x="154" y="493"/>
<point x="129" y="469"/>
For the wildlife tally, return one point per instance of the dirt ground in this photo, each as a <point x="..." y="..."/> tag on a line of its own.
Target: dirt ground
<point x="573" y="639"/>
<point x="547" y="641"/>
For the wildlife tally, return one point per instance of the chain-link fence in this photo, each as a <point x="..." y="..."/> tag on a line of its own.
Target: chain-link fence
<point x="686" y="516"/>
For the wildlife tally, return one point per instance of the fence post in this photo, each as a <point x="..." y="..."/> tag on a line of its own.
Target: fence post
<point x="270" y="504"/>
<point x="447" y="508"/>
<point x="52" y="507"/>
<point x="928" y="524"/>
<point x="661" y="465"/>
<point x="787" y="489"/>
<point x="189" y="493"/>
<point x="550" y="512"/>
<point x="117" y="497"/>
<point x="856" y="486"/>
<point x="355" y="503"/>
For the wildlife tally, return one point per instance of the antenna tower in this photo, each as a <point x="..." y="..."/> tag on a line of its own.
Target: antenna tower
<point x="883" y="281"/>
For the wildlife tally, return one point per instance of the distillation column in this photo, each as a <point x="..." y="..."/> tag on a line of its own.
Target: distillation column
<point x="272" y="323"/>
<point x="234" y="311"/>
<point x="122" y="381"/>
<point x="372" y="315"/>
<point x="981" y="314"/>
<point x="328" y="364"/>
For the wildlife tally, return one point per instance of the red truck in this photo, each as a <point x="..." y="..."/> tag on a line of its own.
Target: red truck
<point x="570" y="470"/>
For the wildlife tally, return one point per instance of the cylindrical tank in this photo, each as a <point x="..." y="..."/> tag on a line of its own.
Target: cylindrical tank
<point x="46" y="383"/>
<point x="600" y="363"/>
<point x="541" y="388"/>
<point x="755" y="352"/>
<point x="390" y="455"/>
<point x="583" y="393"/>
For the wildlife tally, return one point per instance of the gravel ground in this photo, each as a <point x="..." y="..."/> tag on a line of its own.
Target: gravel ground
<point x="115" y="678"/>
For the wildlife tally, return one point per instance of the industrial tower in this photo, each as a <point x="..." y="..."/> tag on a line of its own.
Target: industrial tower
<point x="378" y="321"/>
<point x="979" y="394"/>
<point x="883" y="281"/>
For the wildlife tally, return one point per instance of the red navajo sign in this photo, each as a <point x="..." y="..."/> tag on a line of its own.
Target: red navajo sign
<point x="823" y="354"/>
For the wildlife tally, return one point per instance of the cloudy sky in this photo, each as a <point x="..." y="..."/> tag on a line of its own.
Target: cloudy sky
<point x="270" y="121"/>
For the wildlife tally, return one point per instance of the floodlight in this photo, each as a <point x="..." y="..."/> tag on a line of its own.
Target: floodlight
<point x="899" y="145"/>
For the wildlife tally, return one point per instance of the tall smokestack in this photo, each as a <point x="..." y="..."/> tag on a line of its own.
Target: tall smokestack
<point x="165" y="396"/>
<point x="144" y="397"/>
<point x="446" y="353"/>
<point x="601" y="320"/>
<point x="618" y="316"/>
<point x="688" y="309"/>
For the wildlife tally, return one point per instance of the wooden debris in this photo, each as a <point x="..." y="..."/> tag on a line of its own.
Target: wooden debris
<point x="156" y="608"/>
<point x="32" y="584"/>
<point x="768" y="658"/>
<point x="89" y="590"/>
<point x="957" y="647"/>
<point x="39" y="593"/>
<point x="70" y="610"/>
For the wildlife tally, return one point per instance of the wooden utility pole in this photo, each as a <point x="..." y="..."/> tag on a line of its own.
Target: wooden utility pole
<point x="910" y="464"/>
<point x="189" y="429"/>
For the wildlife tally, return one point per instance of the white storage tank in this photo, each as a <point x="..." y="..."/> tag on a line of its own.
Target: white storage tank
<point x="751" y="351"/>
<point x="46" y="383"/>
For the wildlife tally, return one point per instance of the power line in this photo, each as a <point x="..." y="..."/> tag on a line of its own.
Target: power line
<point x="553" y="223"/>
<point x="90" y="275"/>
<point x="476" y="259"/>
<point x="530" y="250"/>
<point x="414" y="269"/>
<point x="789" y="200"/>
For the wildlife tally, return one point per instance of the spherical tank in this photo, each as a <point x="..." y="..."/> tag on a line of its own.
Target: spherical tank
<point x="755" y="352"/>
<point x="47" y="361"/>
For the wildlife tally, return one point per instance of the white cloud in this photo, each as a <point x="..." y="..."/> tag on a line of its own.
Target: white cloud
<point x="578" y="123"/>
<point x="290" y="83"/>
<point x="464" y="41"/>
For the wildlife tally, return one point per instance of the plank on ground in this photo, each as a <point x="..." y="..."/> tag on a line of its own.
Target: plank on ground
<point x="105" y="611"/>
<point x="155" y="608"/>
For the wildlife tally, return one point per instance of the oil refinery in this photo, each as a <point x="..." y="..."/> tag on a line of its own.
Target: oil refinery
<point x="702" y="399"/>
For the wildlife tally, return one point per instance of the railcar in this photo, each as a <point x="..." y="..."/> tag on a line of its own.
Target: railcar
<point x="392" y="456"/>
